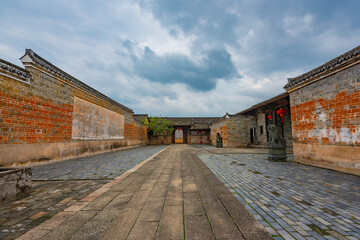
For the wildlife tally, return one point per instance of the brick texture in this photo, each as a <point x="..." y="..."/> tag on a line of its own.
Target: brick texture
<point x="326" y="121"/>
<point x="135" y="131"/>
<point x="327" y="112"/>
<point x="235" y="131"/>
<point x="39" y="113"/>
<point x="29" y="118"/>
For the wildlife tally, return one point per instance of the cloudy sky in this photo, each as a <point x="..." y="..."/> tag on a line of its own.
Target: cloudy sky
<point x="185" y="57"/>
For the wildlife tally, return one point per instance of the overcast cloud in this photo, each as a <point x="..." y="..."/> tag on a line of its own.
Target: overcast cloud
<point x="181" y="58"/>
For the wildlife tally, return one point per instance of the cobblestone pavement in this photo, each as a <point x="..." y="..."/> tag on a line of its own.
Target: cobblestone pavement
<point x="292" y="201"/>
<point x="102" y="166"/>
<point x="47" y="198"/>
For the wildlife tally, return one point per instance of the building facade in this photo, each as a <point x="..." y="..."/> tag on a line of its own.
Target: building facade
<point x="325" y="114"/>
<point x="188" y="130"/>
<point x="248" y="128"/>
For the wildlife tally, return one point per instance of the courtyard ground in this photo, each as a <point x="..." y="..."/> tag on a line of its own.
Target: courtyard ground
<point x="59" y="185"/>
<point x="292" y="201"/>
<point x="176" y="195"/>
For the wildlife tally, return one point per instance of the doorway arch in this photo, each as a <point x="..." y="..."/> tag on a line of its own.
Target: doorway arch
<point x="179" y="136"/>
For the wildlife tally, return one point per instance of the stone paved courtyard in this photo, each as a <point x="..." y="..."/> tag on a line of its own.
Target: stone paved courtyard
<point x="171" y="195"/>
<point x="103" y="166"/>
<point x="292" y="201"/>
<point x="69" y="182"/>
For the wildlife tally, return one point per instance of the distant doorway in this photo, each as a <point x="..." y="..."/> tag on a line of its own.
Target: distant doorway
<point x="253" y="135"/>
<point x="179" y="136"/>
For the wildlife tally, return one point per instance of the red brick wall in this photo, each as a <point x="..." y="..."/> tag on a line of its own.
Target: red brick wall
<point x="37" y="112"/>
<point x="26" y="118"/>
<point x="135" y="131"/>
<point x="325" y="119"/>
<point x="42" y="111"/>
<point x="341" y="115"/>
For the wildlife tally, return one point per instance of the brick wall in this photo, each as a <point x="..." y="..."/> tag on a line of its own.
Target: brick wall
<point x="36" y="112"/>
<point x="160" y="140"/>
<point x="239" y="130"/>
<point x="327" y="111"/>
<point x="136" y="133"/>
<point x="200" y="136"/>
<point x="235" y="130"/>
<point x="28" y="115"/>
<point x="326" y="121"/>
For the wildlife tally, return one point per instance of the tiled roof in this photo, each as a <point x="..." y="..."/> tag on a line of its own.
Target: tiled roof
<point x="263" y="103"/>
<point x="15" y="70"/>
<point x="331" y="66"/>
<point x="182" y="121"/>
<point x="52" y="68"/>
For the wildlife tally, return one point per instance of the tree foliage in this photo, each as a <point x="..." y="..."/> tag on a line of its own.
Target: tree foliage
<point x="158" y="126"/>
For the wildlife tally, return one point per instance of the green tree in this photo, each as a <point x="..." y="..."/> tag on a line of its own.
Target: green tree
<point x="159" y="126"/>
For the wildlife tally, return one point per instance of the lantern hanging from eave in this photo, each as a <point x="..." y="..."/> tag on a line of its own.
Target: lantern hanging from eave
<point x="281" y="112"/>
<point x="270" y="117"/>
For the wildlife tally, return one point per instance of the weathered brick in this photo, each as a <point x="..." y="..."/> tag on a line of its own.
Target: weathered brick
<point x="40" y="109"/>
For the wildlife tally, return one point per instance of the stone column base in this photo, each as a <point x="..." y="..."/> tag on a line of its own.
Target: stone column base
<point x="277" y="154"/>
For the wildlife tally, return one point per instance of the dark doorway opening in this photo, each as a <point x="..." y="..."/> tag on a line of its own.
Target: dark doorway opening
<point x="253" y="135"/>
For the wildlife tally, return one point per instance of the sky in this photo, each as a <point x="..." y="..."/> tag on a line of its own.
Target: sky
<point x="181" y="58"/>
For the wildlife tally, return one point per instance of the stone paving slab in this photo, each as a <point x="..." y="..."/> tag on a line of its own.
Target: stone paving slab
<point x="179" y="175"/>
<point x="292" y="201"/>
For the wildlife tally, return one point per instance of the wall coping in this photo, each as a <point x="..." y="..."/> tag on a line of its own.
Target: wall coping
<point x="345" y="60"/>
<point x="15" y="71"/>
<point x="31" y="58"/>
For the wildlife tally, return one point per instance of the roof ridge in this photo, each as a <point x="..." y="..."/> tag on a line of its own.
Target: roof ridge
<point x="257" y="105"/>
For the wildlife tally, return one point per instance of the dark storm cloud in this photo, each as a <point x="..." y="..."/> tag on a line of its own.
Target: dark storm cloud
<point x="276" y="46"/>
<point x="179" y="68"/>
<point x="204" y="45"/>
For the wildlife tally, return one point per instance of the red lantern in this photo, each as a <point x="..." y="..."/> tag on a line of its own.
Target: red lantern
<point x="148" y="129"/>
<point x="164" y="133"/>
<point x="281" y="113"/>
<point x="270" y="117"/>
